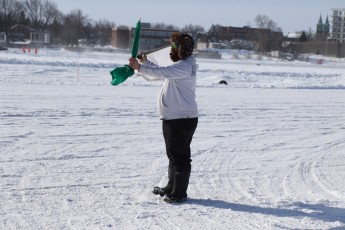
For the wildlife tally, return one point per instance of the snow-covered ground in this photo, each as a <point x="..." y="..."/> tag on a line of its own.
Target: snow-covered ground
<point x="78" y="153"/>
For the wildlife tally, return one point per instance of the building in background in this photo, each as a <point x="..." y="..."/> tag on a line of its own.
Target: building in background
<point x="325" y="42"/>
<point x="3" y="37"/>
<point x="257" y="39"/>
<point x="40" y="37"/>
<point x="322" y="30"/>
<point x="338" y="24"/>
<point x="264" y="40"/>
<point x="120" y="37"/>
<point x="150" y="38"/>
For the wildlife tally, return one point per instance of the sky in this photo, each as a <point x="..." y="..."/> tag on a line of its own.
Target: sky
<point x="290" y="15"/>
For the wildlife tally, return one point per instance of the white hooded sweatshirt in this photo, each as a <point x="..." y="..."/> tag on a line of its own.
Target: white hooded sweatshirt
<point x="177" y="96"/>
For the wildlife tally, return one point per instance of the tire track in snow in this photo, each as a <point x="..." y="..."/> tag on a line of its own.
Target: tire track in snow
<point x="327" y="174"/>
<point x="247" y="171"/>
<point x="205" y="171"/>
<point x="214" y="184"/>
<point x="314" y="175"/>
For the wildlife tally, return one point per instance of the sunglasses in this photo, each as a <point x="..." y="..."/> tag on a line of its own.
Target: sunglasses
<point x="174" y="45"/>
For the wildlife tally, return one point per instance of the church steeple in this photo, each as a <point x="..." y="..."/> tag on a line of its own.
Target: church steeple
<point x="319" y="26"/>
<point x="326" y="27"/>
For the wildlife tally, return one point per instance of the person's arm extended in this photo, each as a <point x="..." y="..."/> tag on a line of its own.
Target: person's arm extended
<point x="178" y="70"/>
<point x="134" y="63"/>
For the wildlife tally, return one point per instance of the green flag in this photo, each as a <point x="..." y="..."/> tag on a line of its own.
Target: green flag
<point x="135" y="46"/>
<point x="120" y="74"/>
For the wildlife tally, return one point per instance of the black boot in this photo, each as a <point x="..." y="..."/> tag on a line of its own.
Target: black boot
<point x="171" y="175"/>
<point x="172" y="199"/>
<point x="158" y="191"/>
<point x="169" y="187"/>
<point x="179" y="192"/>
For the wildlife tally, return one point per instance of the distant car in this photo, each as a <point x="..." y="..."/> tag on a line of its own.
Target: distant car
<point x="2" y="48"/>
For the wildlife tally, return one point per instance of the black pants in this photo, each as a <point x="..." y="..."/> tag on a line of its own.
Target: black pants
<point x="178" y="135"/>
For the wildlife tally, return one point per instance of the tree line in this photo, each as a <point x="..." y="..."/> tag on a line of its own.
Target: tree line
<point x="44" y="15"/>
<point x="67" y="29"/>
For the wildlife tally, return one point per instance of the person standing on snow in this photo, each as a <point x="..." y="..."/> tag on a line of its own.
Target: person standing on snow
<point x="178" y="111"/>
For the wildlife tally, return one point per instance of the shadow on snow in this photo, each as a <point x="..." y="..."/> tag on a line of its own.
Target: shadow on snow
<point x="298" y="209"/>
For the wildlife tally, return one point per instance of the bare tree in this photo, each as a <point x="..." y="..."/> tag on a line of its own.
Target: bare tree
<point x="10" y="11"/>
<point x="56" y="28"/>
<point x="102" y="31"/>
<point x="265" y="25"/>
<point x="264" y="22"/>
<point x="215" y="32"/>
<point x="74" y="27"/>
<point x="41" y="13"/>
<point x="194" y="29"/>
<point x="163" y="26"/>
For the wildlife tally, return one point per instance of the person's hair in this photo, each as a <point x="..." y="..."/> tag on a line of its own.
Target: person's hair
<point x="175" y="37"/>
<point x="186" y="46"/>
